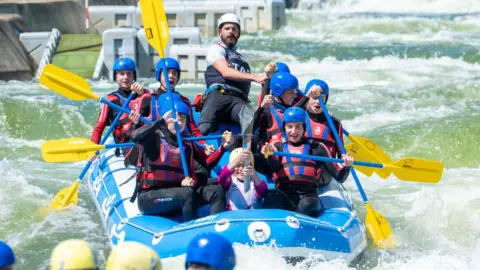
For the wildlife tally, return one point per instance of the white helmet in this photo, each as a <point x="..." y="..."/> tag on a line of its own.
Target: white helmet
<point x="228" y="18"/>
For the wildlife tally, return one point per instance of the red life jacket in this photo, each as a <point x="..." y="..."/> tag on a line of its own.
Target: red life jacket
<point x="298" y="170"/>
<point x="274" y="132"/>
<point x="122" y="130"/>
<point x="321" y="132"/>
<point x="167" y="170"/>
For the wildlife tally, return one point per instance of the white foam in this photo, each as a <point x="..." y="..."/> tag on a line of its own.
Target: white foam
<point x="352" y="30"/>
<point x="406" y="6"/>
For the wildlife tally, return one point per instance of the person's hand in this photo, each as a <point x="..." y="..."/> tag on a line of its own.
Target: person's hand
<point x="168" y="117"/>
<point x="137" y="88"/>
<point x="348" y="160"/>
<point x="246" y="156"/>
<point x="267" y="101"/>
<point x="188" y="182"/>
<point x="247" y="170"/>
<point x="209" y="149"/>
<point x="267" y="150"/>
<point x="260" y="78"/>
<point x="314" y="91"/>
<point x="134" y="117"/>
<point x="227" y="139"/>
<point x="269" y="69"/>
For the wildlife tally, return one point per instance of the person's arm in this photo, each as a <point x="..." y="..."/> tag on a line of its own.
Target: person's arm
<point x="229" y="73"/>
<point x="260" y="117"/>
<point x="145" y="108"/>
<point x="339" y="127"/>
<point x="264" y="124"/>
<point x="147" y="137"/>
<point x="105" y="118"/>
<point x="340" y="174"/>
<point x="260" y="186"/>
<point x="225" y="177"/>
<point x="268" y="165"/>
<point x="302" y="102"/>
<point x="207" y="161"/>
<point x="216" y="56"/>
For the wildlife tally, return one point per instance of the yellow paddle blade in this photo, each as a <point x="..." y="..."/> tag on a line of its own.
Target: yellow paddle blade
<point x="368" y="171"/>
<point x="417" y="170"/>
<point x="69" y="150"/>
<point x="66" y="83"/>
<point x="155" y="24"/>
<point x="63" y="199"/>
<point x="367" y="150"/>
<point x="379" y="229"/>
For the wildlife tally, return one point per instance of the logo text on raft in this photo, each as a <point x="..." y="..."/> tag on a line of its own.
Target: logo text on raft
<point x="163" y="200"/>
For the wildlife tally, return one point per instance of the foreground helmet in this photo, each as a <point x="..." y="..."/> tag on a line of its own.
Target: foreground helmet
<point x="7" y="257"/>
<point x="211" y="249"/>
<point x="133" y="255"/>
<point x="73" y="254"/>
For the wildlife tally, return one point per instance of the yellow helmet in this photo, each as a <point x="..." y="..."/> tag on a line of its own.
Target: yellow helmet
<point x="133" y="256"/>
<point x="73" y="254"/>
<point x="234" y="154"/>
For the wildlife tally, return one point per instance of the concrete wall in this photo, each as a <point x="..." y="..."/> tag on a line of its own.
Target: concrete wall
<point x="41" y="16"/>
<point x="15" y="62"/>
<point x="255" y="15"/>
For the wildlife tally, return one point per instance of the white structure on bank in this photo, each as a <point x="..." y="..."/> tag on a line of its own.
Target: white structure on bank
<point x="131" y="42"/>
<point x="255" y="15"/>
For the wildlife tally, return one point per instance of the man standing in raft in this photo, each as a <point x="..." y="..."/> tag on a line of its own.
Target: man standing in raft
<point x="227" y="77"/>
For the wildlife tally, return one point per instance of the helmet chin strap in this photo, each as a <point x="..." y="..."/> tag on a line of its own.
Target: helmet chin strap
<point x="281" y="100"/>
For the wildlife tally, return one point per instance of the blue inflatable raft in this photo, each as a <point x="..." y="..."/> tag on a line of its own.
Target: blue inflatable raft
<point x="336" y="233"/>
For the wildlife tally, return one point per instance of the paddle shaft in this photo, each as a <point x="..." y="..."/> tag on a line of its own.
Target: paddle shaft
<point x="327" y="159"/>
<point x="342" y="148"/>
<point x="125" y="110"/>
<point x="177" y="128"/>
<point x="107" y="134"/>
<point x="200" y="138"/>
<point x="264" y="93"/>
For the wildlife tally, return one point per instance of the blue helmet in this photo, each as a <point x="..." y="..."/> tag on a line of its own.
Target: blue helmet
<point x="322" y="84"/>
<point x="180" y="106"/>
<point x="211" y="249"/>
<point x="282" y="67"/>
<point x="7" y="258"/>
<point x="125" y="64"/>
<point x="170" y="63"/>
<point x="294" y="114"/>
<point x="164" y="98"/>
<point x="281" y="81"/>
